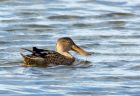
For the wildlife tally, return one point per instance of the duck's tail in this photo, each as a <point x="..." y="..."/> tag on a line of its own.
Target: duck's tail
<point x="27" y="49"/>
<point x="23" y="55"/>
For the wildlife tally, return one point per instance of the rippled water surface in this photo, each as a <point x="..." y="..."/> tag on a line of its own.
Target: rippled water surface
<point x="108" y="28"/>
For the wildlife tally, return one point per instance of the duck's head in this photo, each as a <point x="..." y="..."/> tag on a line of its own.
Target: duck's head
<point x="66" y="44"/>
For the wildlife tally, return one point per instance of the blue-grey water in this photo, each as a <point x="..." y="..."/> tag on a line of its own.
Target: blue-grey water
<point x="110" y="29"/>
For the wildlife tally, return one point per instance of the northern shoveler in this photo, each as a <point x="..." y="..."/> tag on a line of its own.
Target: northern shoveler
<point x="42" y="57"/>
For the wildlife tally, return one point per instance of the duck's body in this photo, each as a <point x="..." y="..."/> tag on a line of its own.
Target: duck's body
<point x="42" y="58"/>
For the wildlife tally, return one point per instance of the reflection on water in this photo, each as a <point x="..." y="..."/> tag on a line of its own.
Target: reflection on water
<point x="107" y="28"/>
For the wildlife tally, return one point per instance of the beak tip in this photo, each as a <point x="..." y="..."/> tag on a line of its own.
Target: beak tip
<point x="88" y="54"/>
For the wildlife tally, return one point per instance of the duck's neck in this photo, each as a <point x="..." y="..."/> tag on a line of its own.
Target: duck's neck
<point x="66" y="54"/>
<point x="69" y="58"/>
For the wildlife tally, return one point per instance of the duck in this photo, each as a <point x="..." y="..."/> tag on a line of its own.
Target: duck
<point x="62" y="56"/>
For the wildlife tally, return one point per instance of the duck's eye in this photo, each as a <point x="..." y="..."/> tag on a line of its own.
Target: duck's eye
<point x="64" y="41"/>
<point x="68" y="41"/>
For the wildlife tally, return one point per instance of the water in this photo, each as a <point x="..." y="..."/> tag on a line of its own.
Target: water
<point x="107" y="28"/>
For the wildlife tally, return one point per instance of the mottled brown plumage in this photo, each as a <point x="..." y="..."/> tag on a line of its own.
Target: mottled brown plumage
<point x="42" y="58"/>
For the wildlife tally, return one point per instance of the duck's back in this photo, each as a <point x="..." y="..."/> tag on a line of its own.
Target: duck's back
<point x="46" y="57"/>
